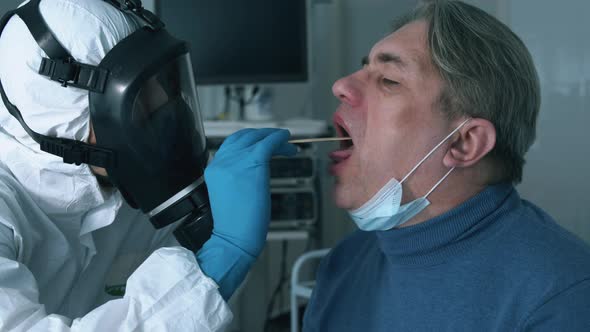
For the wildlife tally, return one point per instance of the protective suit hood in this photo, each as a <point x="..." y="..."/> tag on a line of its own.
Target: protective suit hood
<point x="61" y="190"/>
<point x="142" y="102"/>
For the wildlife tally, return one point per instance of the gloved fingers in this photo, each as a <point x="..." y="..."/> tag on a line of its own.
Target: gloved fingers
<point x="231" y="139"/>
<point x="286" y="149"/>
<point x="276" y="144"/>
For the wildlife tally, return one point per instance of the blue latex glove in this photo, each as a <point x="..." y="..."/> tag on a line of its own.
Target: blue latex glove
<point x="238" y="181"/>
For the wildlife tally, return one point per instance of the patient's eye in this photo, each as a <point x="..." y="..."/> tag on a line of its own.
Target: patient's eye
<point x="389" y="82"/>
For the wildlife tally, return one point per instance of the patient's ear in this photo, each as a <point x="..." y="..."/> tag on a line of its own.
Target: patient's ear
<point x="471" y="143"/>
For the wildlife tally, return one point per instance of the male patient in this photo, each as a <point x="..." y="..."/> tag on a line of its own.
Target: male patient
<point x="445" y="109"/>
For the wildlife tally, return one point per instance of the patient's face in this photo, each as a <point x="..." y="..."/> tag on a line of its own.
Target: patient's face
<point x="390" y="109"/>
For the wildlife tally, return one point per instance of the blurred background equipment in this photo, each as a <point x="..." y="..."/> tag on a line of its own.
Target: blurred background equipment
<point x="242" y="42"/>
<point x="255" y="41"/>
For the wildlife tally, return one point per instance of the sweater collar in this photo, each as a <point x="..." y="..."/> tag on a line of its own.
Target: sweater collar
<point x="439" y="239"/>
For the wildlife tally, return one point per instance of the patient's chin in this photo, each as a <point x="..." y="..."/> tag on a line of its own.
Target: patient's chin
<point x="342" y="196"/>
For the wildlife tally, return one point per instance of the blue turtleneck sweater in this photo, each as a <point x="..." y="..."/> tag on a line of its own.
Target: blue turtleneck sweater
<point x="495" y="263"/>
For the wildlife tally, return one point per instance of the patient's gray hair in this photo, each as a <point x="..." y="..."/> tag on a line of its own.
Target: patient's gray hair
<point x="488" y="73"/>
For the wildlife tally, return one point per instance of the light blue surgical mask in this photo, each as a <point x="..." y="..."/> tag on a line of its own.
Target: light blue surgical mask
<point x="384" y="210"/>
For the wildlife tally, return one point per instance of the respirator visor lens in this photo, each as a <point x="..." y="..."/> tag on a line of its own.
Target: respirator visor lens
<point x="166" y="118"/>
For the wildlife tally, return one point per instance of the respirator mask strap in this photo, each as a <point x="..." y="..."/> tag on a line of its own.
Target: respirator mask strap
<point x="64" y="69"/>
<point x="72" y="151"/>
<point x="60" y="66"/>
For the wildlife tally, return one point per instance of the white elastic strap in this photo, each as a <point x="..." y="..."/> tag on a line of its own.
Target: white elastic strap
<point x="434" y="149"/>
<point x="439" y="182"/>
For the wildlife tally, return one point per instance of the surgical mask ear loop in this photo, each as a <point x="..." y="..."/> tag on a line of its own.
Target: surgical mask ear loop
<point x="439" y="182"/>
<point x="433" y="150"/>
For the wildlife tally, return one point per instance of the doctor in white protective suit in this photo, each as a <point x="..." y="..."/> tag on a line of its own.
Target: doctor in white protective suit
<point x="74" y="255"/>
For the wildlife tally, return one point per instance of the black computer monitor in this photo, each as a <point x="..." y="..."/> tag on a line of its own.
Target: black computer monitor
<point x="241" y="41"/>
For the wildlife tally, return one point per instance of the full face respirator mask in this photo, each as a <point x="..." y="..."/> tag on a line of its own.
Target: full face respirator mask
<point x="145" y="114"/>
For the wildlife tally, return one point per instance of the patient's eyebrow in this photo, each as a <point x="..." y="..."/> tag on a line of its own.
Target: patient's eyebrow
<point x="387" y="58"/>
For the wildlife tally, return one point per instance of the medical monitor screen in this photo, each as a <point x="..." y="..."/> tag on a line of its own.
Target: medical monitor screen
<point x="241" y="41"/>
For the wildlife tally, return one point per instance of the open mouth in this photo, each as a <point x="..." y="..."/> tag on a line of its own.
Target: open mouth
<point x="342" y="132"/>
<point x="345" y="150"/>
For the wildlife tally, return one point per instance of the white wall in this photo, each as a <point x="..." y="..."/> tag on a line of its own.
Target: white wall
<point x="556" y="175"/>
<point x="556" y="34"/>
<point x="6" y="5"/>
<point x="149" y="4"/>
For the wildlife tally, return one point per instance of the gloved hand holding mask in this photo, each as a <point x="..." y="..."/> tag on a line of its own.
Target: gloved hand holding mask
<point x="238" y="182"/>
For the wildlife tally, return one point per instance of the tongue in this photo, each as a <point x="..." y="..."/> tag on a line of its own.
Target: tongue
<point x="340" y="155"/>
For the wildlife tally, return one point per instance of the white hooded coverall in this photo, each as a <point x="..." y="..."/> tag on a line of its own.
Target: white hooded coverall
<point x="65" y="242"/>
